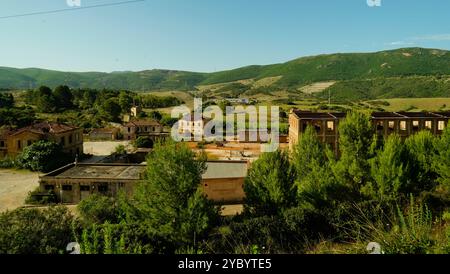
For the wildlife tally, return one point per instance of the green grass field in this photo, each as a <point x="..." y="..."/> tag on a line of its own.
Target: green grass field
<point x="417" y="104"/>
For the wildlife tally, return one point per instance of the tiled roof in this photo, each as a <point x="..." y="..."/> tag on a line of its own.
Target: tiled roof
<point x="139" y="123"/>
<point x="45" y="128"/>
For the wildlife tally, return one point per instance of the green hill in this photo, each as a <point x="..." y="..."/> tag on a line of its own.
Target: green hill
<point x="354" y="74"/>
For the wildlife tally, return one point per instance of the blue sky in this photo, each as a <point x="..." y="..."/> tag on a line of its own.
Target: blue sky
<point x="210" y="35"/>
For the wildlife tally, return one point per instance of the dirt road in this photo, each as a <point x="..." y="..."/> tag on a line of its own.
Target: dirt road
<point x="14" y="187"/>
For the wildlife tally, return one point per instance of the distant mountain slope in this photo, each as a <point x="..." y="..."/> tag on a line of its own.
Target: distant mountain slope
<point x="293" y="74"/>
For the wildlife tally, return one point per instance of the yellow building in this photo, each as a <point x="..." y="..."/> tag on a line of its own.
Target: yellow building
<point x="13" y="142"/>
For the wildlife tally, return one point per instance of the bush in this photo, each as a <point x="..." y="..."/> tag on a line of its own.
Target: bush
<point x="36" y="197"/>
<point x="9" y="162"/>
<point x="143" y="142"/>
<point x="43" y="156"/>
<point x="98" y="209"/>
<point x="34" y="231"/>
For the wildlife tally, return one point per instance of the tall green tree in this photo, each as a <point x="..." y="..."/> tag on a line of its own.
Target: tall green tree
<point x="421" y="153"/>
<point x="355" y="143"/>
<point x="441" y="163"/>
<point x="389" y="169"/>
<point x="125" y="101"/>
<point x="169" y="198"/>
<point x="111" y="110"/>
<point x="63" y="97"/>
<point x="269" y="186"/>
<point x="314" y="176"/>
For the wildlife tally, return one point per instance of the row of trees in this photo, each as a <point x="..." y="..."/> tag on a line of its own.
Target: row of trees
<point x="14" y="116"/>
<point x="106" y="105"/>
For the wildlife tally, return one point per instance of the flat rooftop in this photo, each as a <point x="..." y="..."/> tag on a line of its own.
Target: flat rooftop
<point x="228" y="169"/>
<point x="301" y="114"/>
<point x="215" y="170"/>
<point x="98" y="171"/>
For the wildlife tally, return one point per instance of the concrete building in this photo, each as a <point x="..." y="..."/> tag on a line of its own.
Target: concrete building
<point x="13" y="142"/>
<point x="222" y="182"/>
<point x="143" y="128"/>
<point x="384" y="123"/>
<point x="74" y="182"/>
<point x="104" y="134"/>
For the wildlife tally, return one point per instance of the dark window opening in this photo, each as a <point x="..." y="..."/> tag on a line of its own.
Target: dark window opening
<point x="304" y="126"/>
<point x="103" y="188"/>
<point x="84" y="188"/>
<point x="415" y="125"/>
<point x="49" y="187"/>
<point x="380" y="125"/>
<point x="67" y="187"/>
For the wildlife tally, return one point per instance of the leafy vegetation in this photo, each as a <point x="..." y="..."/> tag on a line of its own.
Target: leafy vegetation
<point x="43" y="156"/>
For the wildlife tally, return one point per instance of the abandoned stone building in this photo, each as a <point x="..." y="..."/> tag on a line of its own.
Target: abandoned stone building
<point x="143" y="128"/>
<point x="384" y="123"/>
<point x="12" y="142"/>
<point x="222" y="182"/>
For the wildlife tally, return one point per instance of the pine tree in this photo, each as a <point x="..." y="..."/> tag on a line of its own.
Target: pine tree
<point x="169" y="198"/>
<point x="356" y="143"/>
<point x="421" y="153"/>
<point x="441" y="161"/>
<point x="314" y="176"/>
<point x="269" y="186"/>
<point x="389" y="169"/>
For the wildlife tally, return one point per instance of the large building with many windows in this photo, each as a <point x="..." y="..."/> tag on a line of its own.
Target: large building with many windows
<point x="385" y="123"/>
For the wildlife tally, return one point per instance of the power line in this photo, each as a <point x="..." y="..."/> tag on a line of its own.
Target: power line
<point x="70" y="9"/>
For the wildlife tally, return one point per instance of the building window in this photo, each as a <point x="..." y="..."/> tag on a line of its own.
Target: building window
<point x="49" y="187"/>
<point x="391" y="125"/>
<point x="70" y="139"/>
<point x="304" y="126"/>
<point x="2" y="143"/>
<point x="318" y="126"/>
<point x="415" y="125"/>
<point x="19" y="144"/>
<point x="103" y="188"/>
<point x="403" y="125"/>
<point x="330" y="125"/>
<point x="85" y="188"/>
<point x="380" y="125"/>
<point x="121" y="185"/>
<point x="63" y="141"/>
<point x="29" y="143"/>
<point x="129" y="129"/>
<point x="428" y="124"/>
<point x="441" y="125"/>
<point x="67" y="187"/>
